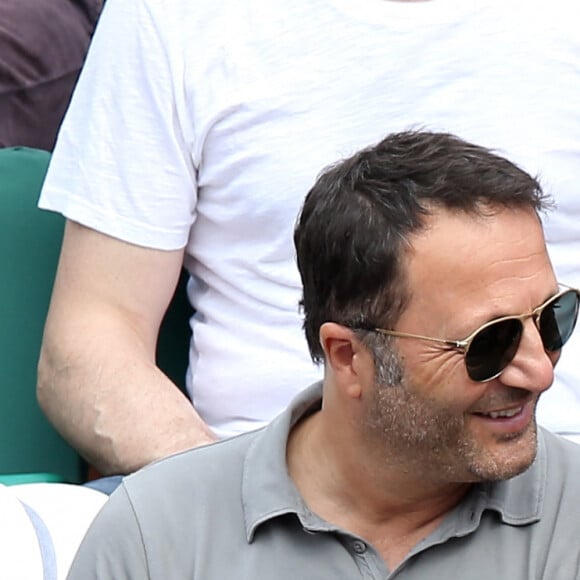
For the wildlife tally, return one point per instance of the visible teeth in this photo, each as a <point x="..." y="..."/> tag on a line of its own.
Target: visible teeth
<point x="509" y="413"/>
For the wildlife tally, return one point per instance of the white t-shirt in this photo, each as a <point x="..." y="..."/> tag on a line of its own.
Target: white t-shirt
<point x="203" y="124"/>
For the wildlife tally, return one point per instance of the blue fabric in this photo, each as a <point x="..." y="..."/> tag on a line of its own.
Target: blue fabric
<point x="105" y="484"/>
<point x="47" y="552"/>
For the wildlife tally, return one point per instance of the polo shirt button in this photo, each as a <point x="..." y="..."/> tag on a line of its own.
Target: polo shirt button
<point x="359" y="547"/>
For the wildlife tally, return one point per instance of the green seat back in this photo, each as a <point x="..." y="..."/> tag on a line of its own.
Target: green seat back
<point x="175" y="335"/>
<point x="30" y="241"/>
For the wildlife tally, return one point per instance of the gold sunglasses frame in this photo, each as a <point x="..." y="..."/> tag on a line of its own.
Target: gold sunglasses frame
<point x="463" y="345"/>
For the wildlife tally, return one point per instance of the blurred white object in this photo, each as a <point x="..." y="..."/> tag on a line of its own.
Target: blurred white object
<point x="41" y="527"/>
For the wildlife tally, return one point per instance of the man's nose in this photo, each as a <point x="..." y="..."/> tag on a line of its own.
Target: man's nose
<point x="532" y="368"/>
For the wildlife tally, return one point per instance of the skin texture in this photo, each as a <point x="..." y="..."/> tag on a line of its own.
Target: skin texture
<point x="97" y="379"/>
<point x="390" y="461"/>
<point x="428" y="418"/>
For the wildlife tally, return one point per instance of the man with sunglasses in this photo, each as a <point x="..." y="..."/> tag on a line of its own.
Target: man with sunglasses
<point x="430" y="297"/>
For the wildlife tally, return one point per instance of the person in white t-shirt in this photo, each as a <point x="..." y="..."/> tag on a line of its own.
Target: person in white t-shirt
<point x="196" y="130"/>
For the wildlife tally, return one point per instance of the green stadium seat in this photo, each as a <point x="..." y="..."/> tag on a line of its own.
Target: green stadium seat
<point x="30" y="239"/>
<point x="29" y="247"/>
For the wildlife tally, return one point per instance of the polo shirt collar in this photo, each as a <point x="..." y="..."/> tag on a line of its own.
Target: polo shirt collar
<point x="267" y="489"/>
<point x="519" y="500"/>
<point x="269" y="492"/>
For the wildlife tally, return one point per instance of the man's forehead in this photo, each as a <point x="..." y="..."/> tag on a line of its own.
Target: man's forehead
<point x="486" y="256"/>
<point x="447" y="236"/>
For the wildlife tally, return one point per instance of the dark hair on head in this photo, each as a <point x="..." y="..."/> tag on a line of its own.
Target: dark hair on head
<point x="354" y="228"/>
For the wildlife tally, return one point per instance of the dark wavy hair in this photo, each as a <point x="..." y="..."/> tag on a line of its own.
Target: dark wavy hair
<point x="353" y="231"/>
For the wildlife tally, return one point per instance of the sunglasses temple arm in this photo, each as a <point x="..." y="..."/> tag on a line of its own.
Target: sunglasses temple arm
<point x="455" y="344"/>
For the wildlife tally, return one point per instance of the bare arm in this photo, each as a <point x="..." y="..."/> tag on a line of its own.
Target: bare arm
<point x="97" y="379"/>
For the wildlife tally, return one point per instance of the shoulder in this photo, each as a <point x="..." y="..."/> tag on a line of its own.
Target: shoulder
<point x="196" y="475"/>
<point x="181" y="501"/>
<point x="562" y="456"/>
<point x="561" y="484"/>
<point x="555" y="552"/>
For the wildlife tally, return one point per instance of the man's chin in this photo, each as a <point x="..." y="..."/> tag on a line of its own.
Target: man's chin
<point x="510" y="456"/>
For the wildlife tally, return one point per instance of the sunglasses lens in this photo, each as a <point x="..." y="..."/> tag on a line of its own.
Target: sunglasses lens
<point x="558" y="319"/>
<point x="492" y="349"/>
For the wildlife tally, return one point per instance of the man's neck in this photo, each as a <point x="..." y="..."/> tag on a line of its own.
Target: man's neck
<point x="391" y="508"/>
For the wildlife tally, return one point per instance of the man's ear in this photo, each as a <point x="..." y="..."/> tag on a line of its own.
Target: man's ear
<point x="345" y="356"/>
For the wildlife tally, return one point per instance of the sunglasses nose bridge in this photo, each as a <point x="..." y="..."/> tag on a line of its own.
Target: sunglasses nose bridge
<point x="531" y="337"/>
<point x="536" y="316"/>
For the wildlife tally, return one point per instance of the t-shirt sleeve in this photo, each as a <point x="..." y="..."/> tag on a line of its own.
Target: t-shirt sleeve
<point x="124" y="160"/>
<point x="113" y="546"/>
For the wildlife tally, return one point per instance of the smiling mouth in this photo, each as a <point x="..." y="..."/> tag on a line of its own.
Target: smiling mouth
<point x="508" y="413"/>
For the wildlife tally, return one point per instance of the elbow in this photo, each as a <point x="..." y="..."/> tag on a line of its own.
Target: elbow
<point x="46" y="383"/>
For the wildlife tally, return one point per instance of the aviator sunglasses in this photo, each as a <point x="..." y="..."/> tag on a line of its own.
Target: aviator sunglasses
<point x="489" y="349"/>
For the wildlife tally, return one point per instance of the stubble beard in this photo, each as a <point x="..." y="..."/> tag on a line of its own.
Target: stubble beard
<point x="416" y="433"/>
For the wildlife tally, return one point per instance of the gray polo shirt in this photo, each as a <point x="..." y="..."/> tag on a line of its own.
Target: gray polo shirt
<point x="229" y="511"/>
